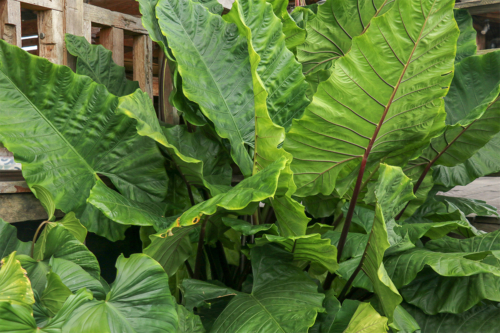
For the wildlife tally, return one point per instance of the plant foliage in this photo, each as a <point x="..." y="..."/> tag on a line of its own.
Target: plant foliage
<point x="302" y="191"/>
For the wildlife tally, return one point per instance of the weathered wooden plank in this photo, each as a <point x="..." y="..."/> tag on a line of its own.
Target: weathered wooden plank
<point x="479" y="6"/>
<point x="10" y="22"/>
<point x="112" y="39"/>
<point x="108" y="18"/>
<point x="73" y="24"/>
<point x="43" y="4"/>
<point x="143" y="63"/>
<point x="51" y="32"/>
<point x="87" y="30"/>
<point x="167" y="113"/>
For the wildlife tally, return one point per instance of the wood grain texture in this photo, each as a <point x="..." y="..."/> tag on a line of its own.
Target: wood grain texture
<point x="143" y="63"/>
<point x="10" y="21"/>
<point x="51" y="45"/>
<point x="112" y="39"/>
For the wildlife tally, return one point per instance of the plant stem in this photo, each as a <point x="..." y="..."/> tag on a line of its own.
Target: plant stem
<point x="223" y="260"/>
<point x="269" y="215"/>
<point x="337" y="220"/>
<point x="36" y="234"/>
<point x="430" y="164"/>
<point x="199" y="254"/>
<point x="351" y="279"/>
<point x="189" y="269"/>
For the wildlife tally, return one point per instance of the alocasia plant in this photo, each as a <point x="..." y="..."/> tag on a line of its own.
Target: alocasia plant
<point x="298" y="194"/>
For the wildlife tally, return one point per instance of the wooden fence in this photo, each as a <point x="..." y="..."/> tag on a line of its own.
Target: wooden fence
<point x="58" y="17"/>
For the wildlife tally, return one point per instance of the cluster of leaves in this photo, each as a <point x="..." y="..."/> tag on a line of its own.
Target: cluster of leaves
<point x="301" y="192"/>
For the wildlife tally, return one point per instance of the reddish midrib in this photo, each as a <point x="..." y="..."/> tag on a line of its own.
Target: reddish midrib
<point x="352" y="204"/>
<point x="429" y="165"/>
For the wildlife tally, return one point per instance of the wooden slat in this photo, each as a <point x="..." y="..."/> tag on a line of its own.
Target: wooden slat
<point x="108" y="18"/>
<point x="10" y="22"/>
<point x="143" y="63"/>
<point x="73" y="24"/>
<point x="112" y="39"/>
<point x="43" y="4"/>
<point x="50" y="23"/>
<point x="480" y="6"/>
<point x="87" y="30"/>
<point x="167" y="112"/>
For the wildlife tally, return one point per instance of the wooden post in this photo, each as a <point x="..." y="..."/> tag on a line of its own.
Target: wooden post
<point x="73" y="24"/>
<point x="50" y="31"/>
<point x="10" y="22"/>
<point x="143" y="63"/>
<point x="113" y="39"/>
<point x="87" y="30"/>
<point x="167" y="113"/>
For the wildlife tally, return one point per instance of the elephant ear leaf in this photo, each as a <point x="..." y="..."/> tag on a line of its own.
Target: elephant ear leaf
<point x="466" y="44"/>
<point x="285" y="92"/>
<point x="275" y="276"/>
<point x="139" y="301"/>
<point x="46" y="200"/>
<point x="96" y="62"/>
<point x="311" y="248"/>
<point x="55" y="294"/>
<point x="199" y="159"/>
<point x="9" y="241"/>
<point x="16" y="318"/>
<point x="14" y="282"/>
<point x="295" y="35"/>
<point x="171" y="250"/>
<point x="483" y="318"/>
<point x="391" y="192"/>
<point x="243" y="196"/>
<point x="471" y="106"/>
<point x="484" y="162"/>
<point x="330" y="32"/>
<point x="215" y="71"/>
<point x="366" y="318"/>
<point x="383" y="99"/>
<point x="56" y="103"/>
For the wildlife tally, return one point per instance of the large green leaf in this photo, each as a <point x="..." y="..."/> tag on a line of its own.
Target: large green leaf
<point x="366" y="318"/>
<point x="279" y="72"/>
<point x="325" y="321"/>
<point x="383" y="99"/>
<point x="311" y="248"/>
<point x="55" y="293"/>
<point x="200" y="159"/>
<point x="247" y="193"/>
<point x="390" y="193"/>
<point x="14" y="284"/>
<point x="466" y="43"/>
<point x="213" y="62"/>
<point x="56" y="150"/>
<point x="70" y="223"/>
<point x="75" y="278"/>
<point x="254" y="20"/>
<point x="171" y="250"/>
<point x="59" y="243"/>
<point x="403" y="267"/>
<point x="471" y="110"/>
<point x="139" y="301"/>
<point x="282" y="299"/>
<point x="294" y="34"/>
<point x="482" y="163"/>
<point x="188" y="322"/>
<point x="123" y="210"/>
<point x="9" y="241"/>
<point x="96" y="62"/>
<point x="330" y="32"/>
<point x="46" y="200"/>
<point x="483" y="318"/>
<point x="15" y="318"/>
<point x="248" y="229"/>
